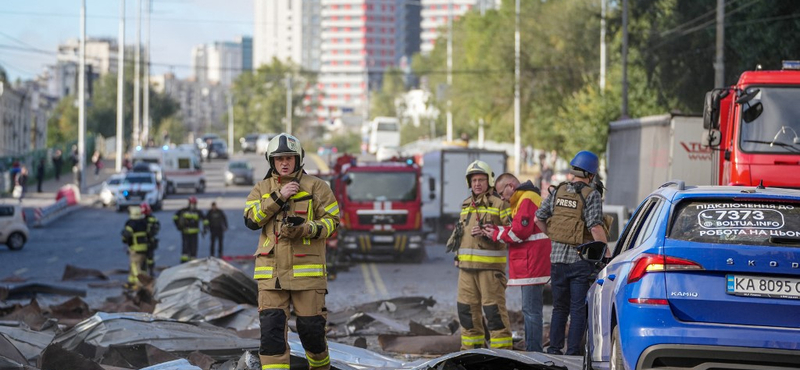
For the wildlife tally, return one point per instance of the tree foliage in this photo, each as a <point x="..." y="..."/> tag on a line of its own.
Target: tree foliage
<point x="259" y="99"/>
<point x="386" y="102"/>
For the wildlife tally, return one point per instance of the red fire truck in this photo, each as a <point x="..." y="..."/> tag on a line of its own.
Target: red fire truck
<point x="380" y="208"/>
<point x="754" y="126"/>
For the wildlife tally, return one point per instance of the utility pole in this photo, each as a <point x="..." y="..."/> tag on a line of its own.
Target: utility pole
<point x="136" y="73"/>
<point x="449" y="69"/>
<point x="602" y="46"/>
<point x="230" y="122"/>
<point x="481" y="136"/>
<point x="146" y="75"/>
<point x="624" y="59"/>
<point x="719" y="61"/>
<point x="120" y="86"/>
<point x="289" y="103"/>
<point x="517" y="134"/>
<point x="82" y="100"/>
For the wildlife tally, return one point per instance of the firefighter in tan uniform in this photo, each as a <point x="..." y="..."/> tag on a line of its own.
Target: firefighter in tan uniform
<point x="295" y="213"/>
<point x="482" y="264"/>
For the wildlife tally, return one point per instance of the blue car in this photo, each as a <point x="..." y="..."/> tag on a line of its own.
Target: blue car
<point x="701" y="278"/>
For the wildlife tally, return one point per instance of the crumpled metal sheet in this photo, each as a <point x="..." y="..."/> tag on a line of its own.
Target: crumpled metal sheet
<point x="10" y="356"/>
<point x="107" y="329"/>
<point x="420" y="345"/>
<point x="379" y="317"/>
<point x="78" y="273"/>
<point x="181" y="364"/>
<point x="31" y="290"/>
<point x="484" y="358"/>
<point x="28" y="342"/>
<point x="204" y="290"/>
<point x="348" y="357"/>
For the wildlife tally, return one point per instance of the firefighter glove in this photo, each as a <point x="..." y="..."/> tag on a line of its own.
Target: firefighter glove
<point x="292" y="232"/>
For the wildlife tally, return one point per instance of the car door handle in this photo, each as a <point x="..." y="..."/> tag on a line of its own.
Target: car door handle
<point x="612" y="277"/>
<point x="600" y="281"/>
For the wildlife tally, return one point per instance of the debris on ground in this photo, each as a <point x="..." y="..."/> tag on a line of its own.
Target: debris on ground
<point x="77" y="273"/>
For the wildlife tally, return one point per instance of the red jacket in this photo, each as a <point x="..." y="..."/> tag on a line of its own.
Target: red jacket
<point x="528" y="246"/>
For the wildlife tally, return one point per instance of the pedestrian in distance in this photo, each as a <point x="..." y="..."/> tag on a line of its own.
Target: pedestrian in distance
<point x="572" y="205"/>
<point x="294" y="213"/>
<point x="528" y="252"/>
<point x="39" y="175"/>
<point x="21" y="183"/>
<point x="218" y="225"/>
<point x="75" y="159"/>
<point x="482" y="263"/>
<point x="153" y="227"/>
<point x="58" y="162"/>
<point x="135" y="236"/>
<point x="97" y="161"/>
<point x="190" y="222"/>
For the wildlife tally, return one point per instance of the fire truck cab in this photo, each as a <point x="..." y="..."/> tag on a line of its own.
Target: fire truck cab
<point x="753" y="127"/>
<point x="380" y="205"/>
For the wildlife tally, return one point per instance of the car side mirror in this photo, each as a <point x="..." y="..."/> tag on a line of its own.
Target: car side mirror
<point x="593" y="252"/>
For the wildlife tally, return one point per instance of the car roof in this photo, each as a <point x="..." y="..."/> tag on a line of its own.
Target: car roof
<point x="676" y="193"/>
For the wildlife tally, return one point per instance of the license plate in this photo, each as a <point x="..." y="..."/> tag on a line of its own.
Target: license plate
<point x="759" y="286"/>
<point x="383" y="238"/>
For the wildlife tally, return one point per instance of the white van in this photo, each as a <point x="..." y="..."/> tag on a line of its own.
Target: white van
<point x="383" y="131"/>
<point x="180" y="166"/>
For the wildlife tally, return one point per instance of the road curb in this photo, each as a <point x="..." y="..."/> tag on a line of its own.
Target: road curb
<point x="56" y="215"/>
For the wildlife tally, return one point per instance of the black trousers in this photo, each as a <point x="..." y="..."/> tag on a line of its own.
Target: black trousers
<point x="189" y="250"/>
<point x="216" y="236"/>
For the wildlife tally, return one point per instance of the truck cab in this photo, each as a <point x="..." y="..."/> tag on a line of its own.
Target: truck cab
<point x="380" y="206"/>
<point x="753" y="127"/>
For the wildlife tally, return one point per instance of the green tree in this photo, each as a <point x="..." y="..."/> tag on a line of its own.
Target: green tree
<point x="62" y="126"/>
<point x="259" y="99"/>
<point x="387" y="102"/>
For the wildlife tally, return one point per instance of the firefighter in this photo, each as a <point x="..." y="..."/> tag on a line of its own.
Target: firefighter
<point x="218" y="224"/>
<point x="570" y="216"/>
<point x="295" y="213"/>
<point x="134" y="234"/>
<point x="153" y="227"/>
<point x="188" y="221"/>
<point x="482" y="264"/>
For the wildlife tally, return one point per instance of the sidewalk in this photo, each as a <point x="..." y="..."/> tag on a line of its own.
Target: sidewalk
<point x="50" y="187"/>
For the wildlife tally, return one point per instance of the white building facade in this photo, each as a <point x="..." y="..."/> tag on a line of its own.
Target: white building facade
<point x="287" y="30"/>
<point x="220" y="62"/>
<point x="203" y="104"/>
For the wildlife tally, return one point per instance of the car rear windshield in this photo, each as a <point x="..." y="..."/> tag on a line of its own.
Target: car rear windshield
<point x="139" y="180"/>
<point x="241" y="165"/>
<point x="732" y="222"/>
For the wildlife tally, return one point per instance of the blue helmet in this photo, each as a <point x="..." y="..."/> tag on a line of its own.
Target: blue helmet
<point x="586" y="161"/>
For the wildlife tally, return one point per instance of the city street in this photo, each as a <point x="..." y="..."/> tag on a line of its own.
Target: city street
<point x="90" y="238"/>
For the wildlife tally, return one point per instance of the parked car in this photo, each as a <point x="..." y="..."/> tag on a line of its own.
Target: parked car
<point x="108" y="189"/>
<point x="248" y="142"/>
<point x="138" y="187"/>
<point x="13" y="229"/>
<point x="161" y="178"/>
<point x="701" y="277"/>
<point x="216" y="149"/>
<point x="239" y="172"/>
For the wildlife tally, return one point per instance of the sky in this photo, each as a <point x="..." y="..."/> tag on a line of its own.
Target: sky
<point x="31" y="30"/>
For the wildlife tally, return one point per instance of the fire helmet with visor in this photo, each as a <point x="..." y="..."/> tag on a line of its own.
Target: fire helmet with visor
<point x="284" y="145"/>
<point x="135" y="213"/>
<point x="480" y="167"/>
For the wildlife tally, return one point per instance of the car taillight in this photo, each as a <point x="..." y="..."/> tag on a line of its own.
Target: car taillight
<point x="657" y="263"/>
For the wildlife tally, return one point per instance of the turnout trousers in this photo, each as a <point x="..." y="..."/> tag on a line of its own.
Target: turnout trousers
<point x="136" y="261"/>
<point x="189" y="250"/>
<point x="312" y="316"/>
<point x="483" y="292"/>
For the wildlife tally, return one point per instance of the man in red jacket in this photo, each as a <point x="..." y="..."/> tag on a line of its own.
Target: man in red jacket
<point x="528" y="252"/>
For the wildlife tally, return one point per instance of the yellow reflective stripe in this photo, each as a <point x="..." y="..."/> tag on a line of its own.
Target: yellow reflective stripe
<point x="175" y="217"/>
<point x="320" y="363"/>
<point x="484" y="259"/>
<point x="482" y="252"/>
<point x="486" y="210"/>
<point x="333" y="208"/>
<point x="128" y="228"/>
<point x="505" y="213"/>
<point x="191" y="216"/>
<point x="263" y="272"/>
<point x="308" y="270"/>
<point x="500" y="342"/>
<point x="300" y="194"/>
<point x="472" y="340"/>
<point x="275" y="366"/>
<point x="328" y="226"/>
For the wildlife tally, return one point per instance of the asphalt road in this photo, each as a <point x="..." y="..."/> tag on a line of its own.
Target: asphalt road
<point x="90" y="238"/>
